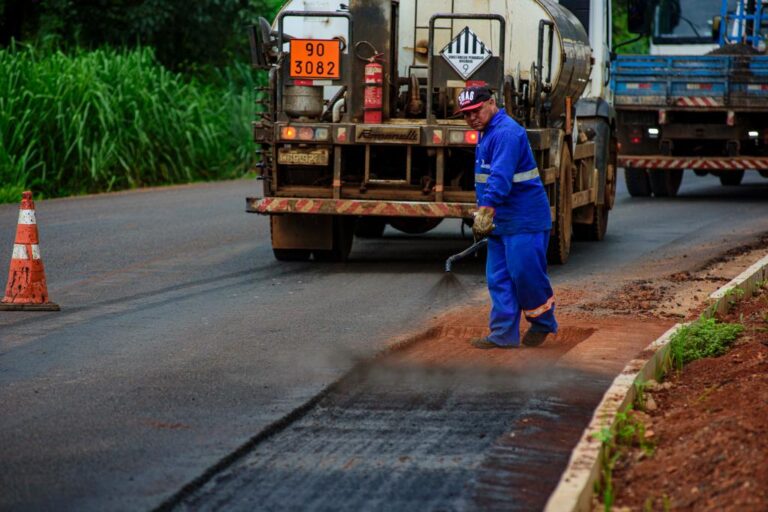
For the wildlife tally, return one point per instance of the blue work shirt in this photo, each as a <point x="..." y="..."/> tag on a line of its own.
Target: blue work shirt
<point x="507" y="179"/>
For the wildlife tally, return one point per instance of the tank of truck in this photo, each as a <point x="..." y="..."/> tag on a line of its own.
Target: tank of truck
<point x="566" y="72"/>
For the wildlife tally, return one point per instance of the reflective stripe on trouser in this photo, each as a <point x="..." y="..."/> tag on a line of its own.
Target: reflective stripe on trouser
<point x="516" y="271"/>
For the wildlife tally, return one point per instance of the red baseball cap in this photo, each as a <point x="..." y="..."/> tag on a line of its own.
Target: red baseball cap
<point x="473" y="98"/>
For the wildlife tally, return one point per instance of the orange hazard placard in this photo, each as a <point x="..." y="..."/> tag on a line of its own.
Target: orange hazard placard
<point x="315" y="58"/>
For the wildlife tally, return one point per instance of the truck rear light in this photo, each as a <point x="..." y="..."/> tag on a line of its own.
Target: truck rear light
<point x="698" y="87"/>
<point x="662" y="117"/>
<point x="730" y="119"/>
<point x="635" y="135"/>
<point x="437" y="137"/>
<point x="653" y="133"/>
<point x="341" y="135"/>
<point x="463" y="136"/>
<point x="288" y="132"/>
<point x="633" y="86"/>
<point x="753" y="134"/>
<point x="306" y="133"/>
<point x="321" y="133"/>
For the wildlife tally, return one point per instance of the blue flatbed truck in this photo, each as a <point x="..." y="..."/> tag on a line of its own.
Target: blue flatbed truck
<point x="705" y="113"/>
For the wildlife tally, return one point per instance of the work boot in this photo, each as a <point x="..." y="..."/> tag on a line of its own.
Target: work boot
<point x="534" y="338"/>
<point x="485" y="343"/>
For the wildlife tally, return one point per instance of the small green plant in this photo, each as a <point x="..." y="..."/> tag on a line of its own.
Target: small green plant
<point x="733" y="296"/>
<point x="705" y="337"/>
<point x="639" y="401"/>
<point x="626" y="432"/>
<point x="666" y="503"/>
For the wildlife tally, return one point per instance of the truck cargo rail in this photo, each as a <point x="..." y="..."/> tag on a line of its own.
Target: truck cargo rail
<point x="691" y="82"/>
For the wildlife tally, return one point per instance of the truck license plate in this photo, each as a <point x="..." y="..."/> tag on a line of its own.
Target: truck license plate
<point x="315" y="58"/>
<point x="303" y="156"/>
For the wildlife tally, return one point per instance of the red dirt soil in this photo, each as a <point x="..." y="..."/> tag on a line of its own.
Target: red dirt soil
<point x="710" y="430"/>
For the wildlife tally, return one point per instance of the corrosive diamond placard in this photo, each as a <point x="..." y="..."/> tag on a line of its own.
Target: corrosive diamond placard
<point x="466" y="53"/>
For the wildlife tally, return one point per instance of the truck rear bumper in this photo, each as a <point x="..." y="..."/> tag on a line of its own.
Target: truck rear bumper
<point x="279" y="205"/>
<point x="709" y="163"/>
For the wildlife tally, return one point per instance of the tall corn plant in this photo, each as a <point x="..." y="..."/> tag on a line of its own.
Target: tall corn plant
<point x="107" y="120"/>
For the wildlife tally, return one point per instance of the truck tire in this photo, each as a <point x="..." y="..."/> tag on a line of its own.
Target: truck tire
<point x="415" y="225"/>
<point x="343" y="236"/>
<point x="665" y="183"/>
<point x="287" y="254"/>
<point x="291" y="254"/>
<point x="562" y="229"/>
<point x="596" y="230"/>
<point x="370" y="227"/>
<point x="731" y="178"/>
<point x="638" y="184"/>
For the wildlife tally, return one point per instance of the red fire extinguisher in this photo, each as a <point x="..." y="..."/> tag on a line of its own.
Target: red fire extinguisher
<point x="373" y="98"/>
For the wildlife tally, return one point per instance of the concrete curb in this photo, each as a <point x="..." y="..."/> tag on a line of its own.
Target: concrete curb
<point x="575" y="490"/>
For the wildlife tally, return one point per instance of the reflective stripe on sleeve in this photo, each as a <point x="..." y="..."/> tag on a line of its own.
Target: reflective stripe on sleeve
<point x="517" y="178"/>
<point x="533" y="313"/>
<point x="525" y="176"/>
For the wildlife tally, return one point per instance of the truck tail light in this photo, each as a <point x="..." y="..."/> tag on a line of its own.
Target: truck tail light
<point x="306" y="133"/>
<point x="463" y="136"/>
<point x="635" y="135"/>
<point x="437" y="137"/>
<point x="341" y="135"/>
<point x="288" y="132"/>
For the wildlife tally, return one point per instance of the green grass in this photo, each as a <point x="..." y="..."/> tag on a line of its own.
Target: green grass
<point x="706" y="337"/>
<point x="106" y="120"/>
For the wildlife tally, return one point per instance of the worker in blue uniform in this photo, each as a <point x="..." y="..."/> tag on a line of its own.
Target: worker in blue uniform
<point x="513" y="213"/>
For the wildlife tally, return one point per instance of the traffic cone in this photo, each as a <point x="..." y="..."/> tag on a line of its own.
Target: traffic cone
<point x="26" y="288"/>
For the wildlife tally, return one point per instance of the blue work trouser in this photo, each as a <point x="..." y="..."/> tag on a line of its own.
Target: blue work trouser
<point x="516" y="270"/>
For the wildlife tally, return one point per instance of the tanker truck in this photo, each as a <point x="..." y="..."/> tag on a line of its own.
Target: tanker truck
<point x="357" y="129"/>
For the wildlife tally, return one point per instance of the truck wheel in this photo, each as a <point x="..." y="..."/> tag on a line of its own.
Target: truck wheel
<point x="343" y="235"/>
<point x="665" y="183"/>
<point x="415" y="225"/>
<point x="291" y="254"/>
<point x="638" y="184"/>
<point x="286" y="254"/>
<point x="562" y="229"/>
<point x="595" y="231"/>
<point x="731" y="178"/>
<point x="370" y="227"/>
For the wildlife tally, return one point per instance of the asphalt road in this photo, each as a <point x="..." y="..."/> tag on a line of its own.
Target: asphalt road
<point x="180" y="337"/>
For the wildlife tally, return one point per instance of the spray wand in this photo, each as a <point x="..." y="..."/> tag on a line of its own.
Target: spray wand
<point x="472" y="249"/>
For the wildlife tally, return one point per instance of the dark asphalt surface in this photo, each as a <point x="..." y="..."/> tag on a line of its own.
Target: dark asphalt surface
<point x="180" y="338"/>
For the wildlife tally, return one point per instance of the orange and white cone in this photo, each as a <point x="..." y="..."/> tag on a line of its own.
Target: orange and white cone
<point x="26" y="289"/>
